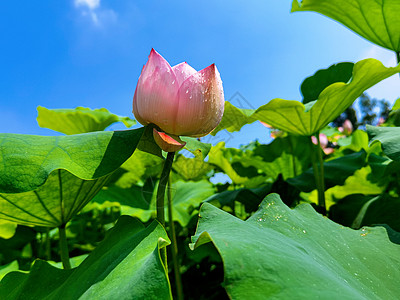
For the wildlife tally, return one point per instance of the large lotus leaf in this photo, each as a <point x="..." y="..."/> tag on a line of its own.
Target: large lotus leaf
<point x="79" y="120"/>
<point x="293" y="117"/>
<point x="389" y="138"/>
<point x="375" y="20"/>
<point x="312" y="86"/>
<point x="335" y="172"/>
<point x="126" y="265"/>
<point x="280" y="253"/>
<point x="52" y="204"/>
<point x="140" y="202"/>
<point x="27" y="160"/>
<point x="46" y="180"/>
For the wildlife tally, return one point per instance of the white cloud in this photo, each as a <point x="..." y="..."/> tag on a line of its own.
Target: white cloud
<point x="91" y="4"/>
<point x="92" y="9"/>
<point x="388" y="89"/>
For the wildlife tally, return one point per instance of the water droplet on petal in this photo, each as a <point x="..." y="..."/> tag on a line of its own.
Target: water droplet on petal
<point x="187" y="91"/>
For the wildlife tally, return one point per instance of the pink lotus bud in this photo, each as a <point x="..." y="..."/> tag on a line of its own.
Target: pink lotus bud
<point x="347" y="127"/>
<point x="381" y="121"/>
<point x="179" y="100"/>
<point x="323" y="140"/>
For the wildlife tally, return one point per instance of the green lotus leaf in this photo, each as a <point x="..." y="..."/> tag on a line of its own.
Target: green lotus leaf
<point x="52" y="204"/>
<point x="79" y="120"/>
<point x="125" y="265"/>
<point x="195" y="146"/>
<point x="280" y="253"/>
<point x="294" y="117"/>
<point x="27" y="160"/>
<point x="191" y="168"/>
<point x="46" y="180"/>
<point x="234" y="118"/>
<point x="336" y="171"/>
<point x="7" y="229"/>
<point x="363" y="181"/>
<point x="389" y="138"/>
<point x="291" y="116"/>
<point x="312" y="86"/>
<point x="12" y="266"/>
<point x="288" y="156"/>
<point x="375" y="20"/>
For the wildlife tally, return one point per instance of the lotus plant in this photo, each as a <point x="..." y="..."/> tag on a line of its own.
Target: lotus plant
<point x="178" y="101"/>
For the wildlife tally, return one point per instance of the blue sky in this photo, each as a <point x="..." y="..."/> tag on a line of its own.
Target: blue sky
<point x="64" y="54"/>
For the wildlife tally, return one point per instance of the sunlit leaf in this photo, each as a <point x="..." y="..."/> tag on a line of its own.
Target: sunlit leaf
<point x="7" y="229"/>
<point x="375" y="20"/>
<point x="126" y="265"/>
<point x="282" y="253"/>
<point x="79" y="120"/>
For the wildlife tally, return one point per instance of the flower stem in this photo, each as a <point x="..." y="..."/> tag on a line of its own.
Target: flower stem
<point x="160" y="199"/>
<point x="322" y="177"/>
<point x="318" y="169"/>
<point x="174" y="245"/>
<point x="47" y="245"/>
<point x="398" y="58"/>
<point x="291" y="149"/>
<point x="64" y="247"/>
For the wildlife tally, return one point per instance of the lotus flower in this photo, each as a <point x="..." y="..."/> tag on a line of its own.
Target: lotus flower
<point x="178" y="100"/>
<point x="323" y="140"/>
<point x="347" y="127"/>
